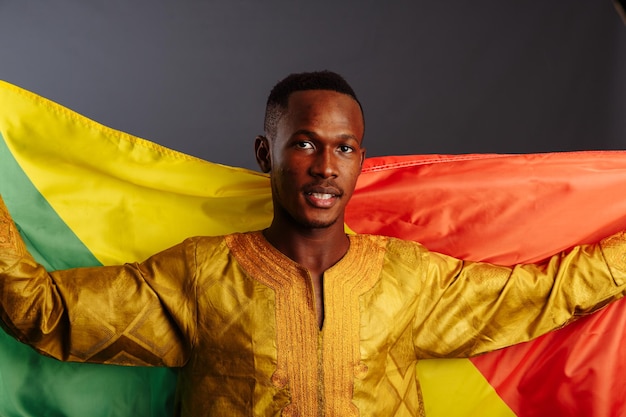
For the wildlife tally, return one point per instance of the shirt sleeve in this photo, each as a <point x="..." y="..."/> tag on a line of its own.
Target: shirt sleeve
<point x="133" y="314"/>
<point x="468" y="308"/>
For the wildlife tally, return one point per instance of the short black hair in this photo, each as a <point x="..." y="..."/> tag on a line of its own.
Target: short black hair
<point x="278" y="99"/>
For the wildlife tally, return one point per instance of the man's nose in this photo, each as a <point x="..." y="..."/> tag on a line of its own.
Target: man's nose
<point x="325" y="164"/>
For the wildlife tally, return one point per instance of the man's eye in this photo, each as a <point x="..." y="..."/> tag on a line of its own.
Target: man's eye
<point x="304" y="145"/>
<point x="346" y="149"/>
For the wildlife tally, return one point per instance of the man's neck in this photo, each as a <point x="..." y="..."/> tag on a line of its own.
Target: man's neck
<point x="316" y="249"/>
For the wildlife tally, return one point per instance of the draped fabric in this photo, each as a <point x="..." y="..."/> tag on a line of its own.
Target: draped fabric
<point x="84" y="194"/>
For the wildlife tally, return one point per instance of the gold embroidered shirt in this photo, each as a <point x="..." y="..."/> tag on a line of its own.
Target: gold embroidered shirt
<point x="238" y="317"/>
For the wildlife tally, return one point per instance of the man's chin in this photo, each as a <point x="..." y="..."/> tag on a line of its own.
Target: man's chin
<point x="318" y="223"/>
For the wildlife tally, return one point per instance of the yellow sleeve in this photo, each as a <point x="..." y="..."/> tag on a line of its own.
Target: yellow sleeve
<point x="468" y="308"/>
<point x="133" y="314"/>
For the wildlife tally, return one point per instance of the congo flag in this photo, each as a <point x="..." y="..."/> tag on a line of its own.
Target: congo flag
<point x="84" y="194"/>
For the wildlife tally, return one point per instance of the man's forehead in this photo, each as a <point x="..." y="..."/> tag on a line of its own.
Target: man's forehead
<point x="334" y="113"/>
<point x="315" y="95"/>
<point x="321" y="101"/>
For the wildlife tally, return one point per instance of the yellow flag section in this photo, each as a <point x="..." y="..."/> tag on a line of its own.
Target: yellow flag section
<point x="134" y="198"/>
<point x="126" y="198"/>
<point x="454" y="387"/>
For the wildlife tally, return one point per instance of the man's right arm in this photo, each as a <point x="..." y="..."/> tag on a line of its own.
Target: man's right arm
<point x="133" y="314"/>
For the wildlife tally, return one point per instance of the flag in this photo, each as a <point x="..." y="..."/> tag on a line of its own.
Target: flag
<point x="84" y="194"/>
<point x="510" y="209"/>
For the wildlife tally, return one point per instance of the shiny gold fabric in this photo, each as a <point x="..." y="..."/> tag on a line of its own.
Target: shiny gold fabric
<point x="238" y="317"/>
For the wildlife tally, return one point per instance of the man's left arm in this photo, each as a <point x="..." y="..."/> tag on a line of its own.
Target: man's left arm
<point x="475" y="307"/>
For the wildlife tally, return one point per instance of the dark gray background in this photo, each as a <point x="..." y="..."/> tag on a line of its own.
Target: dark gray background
<point x="434" y="76"/>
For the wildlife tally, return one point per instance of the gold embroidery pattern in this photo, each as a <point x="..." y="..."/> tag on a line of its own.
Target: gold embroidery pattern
<point x="296" y="322"/>
<point x="297" y="338"/>
<point x="344" y="283"/>
<point x="6" y="229"/>
<point x="402" y="384"/>
<point x="9" y="236"/>
<point x="614" y="253"/>
<point x="5" y="233"/>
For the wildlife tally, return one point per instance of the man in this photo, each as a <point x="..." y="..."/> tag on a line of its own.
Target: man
<point x="299" y="319"/>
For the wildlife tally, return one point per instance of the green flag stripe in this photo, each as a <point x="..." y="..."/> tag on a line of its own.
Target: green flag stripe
<point x="38" y="221"/>
<point x="34" y="385"/>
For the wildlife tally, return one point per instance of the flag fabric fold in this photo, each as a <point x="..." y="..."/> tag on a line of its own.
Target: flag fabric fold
<point x="83" y="194"/>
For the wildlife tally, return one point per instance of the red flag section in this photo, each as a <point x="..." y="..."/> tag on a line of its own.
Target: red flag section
<point x="510" y="209"/>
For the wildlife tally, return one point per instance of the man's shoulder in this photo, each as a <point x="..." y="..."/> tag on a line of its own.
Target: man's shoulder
<point x="402" y="260"/>
<point x="206" y="245"/>
<point x="393" y="245"/>
<point x="222" y="246"/>
<point x="219" y="239"/>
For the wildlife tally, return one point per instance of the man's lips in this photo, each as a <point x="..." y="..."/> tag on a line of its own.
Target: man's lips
<point x="322" y="197"/>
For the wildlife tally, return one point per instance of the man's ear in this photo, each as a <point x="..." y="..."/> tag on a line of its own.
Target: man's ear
<point x="262" y="152"/>
<point x="362" y="156"/>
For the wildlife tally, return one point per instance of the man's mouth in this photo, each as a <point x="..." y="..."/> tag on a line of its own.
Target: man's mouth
<point x="322" y="198"/>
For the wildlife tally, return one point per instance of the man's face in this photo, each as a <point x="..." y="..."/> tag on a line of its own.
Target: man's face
<point x="315" y="158"/>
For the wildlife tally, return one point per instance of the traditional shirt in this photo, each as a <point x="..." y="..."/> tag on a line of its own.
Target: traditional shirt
<point x="238" y="317"/>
